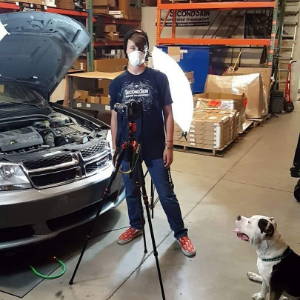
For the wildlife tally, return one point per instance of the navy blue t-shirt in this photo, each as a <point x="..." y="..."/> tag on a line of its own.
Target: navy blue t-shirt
<point x="152" y="88"/>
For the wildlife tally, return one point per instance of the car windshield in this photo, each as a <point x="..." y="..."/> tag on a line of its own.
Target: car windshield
<point x="12" y="94"/>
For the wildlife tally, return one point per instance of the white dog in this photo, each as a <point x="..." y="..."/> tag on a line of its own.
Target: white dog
<point x="278" y="265"/>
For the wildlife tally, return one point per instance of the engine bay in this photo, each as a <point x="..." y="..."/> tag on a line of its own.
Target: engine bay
<point x="55" y="130"/>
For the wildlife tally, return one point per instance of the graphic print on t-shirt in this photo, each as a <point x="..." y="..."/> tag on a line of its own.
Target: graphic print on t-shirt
<point x="138" y="91"/>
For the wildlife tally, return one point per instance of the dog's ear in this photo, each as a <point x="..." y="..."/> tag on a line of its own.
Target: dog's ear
<point x="266" y="227"/>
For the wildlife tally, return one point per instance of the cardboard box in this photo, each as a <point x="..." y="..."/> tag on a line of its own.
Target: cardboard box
<point x="94" y="99"/>
<point x="51" y="3"/>
<point x="113" y="36"/>
<point x="110" y="65"/>
<point x="266" y="79"/>
<point x="250" y="85"/>
<point x="130" y="10"/>
<point x="110" y="3"/>
<point x="110" y="28"/>
<point x="105" y="100"/>
<point x="149" y="2"/>
<point x="103" y="85"/>
<point x="65" y="4"/>
<point x="101" y="10"/>
<point x="175" y="52"/>
<point x="81" y="95"/>
<point x="116" y="14"/>
<point x="39" y="2"/>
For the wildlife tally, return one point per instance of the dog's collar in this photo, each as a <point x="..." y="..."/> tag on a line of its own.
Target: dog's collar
<point x="280" y="257"/>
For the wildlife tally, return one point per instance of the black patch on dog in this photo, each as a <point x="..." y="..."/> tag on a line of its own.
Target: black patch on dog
<point x="266" y="227"/>
<point x="286" y="275"/>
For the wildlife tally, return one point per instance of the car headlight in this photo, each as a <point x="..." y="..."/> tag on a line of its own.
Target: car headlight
<point x="12" y="177"/>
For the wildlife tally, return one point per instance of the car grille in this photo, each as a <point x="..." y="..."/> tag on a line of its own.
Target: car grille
<point x="64" y="167"/>
<point x="50" y="161"/>
<point x="93" y="166"/>
<point x="54" y="178"/>
<point x="92" y="150"/>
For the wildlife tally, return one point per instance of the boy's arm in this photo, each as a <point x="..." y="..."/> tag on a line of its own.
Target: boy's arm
<point x="114" y="127"/>
<point x="169" y="127"/>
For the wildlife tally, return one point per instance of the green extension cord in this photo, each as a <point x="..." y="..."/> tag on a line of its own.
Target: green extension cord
<point x="61" y="273"/>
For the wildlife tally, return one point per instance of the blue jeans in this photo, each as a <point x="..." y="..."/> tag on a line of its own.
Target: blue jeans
<point x="169" y="202"/>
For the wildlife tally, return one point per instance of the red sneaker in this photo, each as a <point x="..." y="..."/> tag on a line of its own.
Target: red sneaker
<point x="128" y="235"/>
<point x="186" y="246"/>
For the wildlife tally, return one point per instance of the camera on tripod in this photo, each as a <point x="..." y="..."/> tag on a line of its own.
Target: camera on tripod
<point x="132" y="109"/>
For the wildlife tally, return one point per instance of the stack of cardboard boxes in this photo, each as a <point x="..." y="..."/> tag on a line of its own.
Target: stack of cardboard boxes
<point x="223" y="101"/>
<point x="95" y="90"/>
<point x="97" y="95"/>
<point x="127" y="9"/>
<point x="210" y="129"/>
<point x="217" y="121"/>
<point x="65" y="4"/>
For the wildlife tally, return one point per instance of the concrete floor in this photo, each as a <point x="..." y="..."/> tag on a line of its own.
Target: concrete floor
<point x="252" y="178"/>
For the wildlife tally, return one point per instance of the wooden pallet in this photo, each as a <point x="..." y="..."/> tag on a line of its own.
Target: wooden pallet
<point x="209" y="152"/>
<point x="261" y="121"/>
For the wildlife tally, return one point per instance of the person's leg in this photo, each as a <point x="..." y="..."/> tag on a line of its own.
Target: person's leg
<point x="169" y="202"/>
<point x="134" y="207"/>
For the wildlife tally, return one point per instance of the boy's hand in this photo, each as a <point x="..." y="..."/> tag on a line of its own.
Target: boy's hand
<point x="168" y="157"/>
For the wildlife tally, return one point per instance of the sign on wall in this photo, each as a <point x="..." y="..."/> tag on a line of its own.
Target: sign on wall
<point x="188" y="18"/>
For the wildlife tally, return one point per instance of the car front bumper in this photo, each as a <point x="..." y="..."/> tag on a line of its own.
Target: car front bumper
<point x="33" y="215"/>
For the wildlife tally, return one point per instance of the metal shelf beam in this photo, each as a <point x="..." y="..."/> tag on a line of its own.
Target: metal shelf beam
<point x="213" y="41"/>
<point x="12" y="6"/>
<point x="67" y="12"/>
<point x="218" y="5"/>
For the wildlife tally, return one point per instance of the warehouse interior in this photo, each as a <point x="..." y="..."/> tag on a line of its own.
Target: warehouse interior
<point x="235" y="146"/>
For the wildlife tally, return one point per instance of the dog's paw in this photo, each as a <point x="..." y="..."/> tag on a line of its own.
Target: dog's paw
<point x="258" y="296"/>
<point x="284" y="298"/>
<point x="254" y="277"/>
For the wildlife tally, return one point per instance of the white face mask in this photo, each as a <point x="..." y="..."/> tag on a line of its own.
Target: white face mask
<point x="136" y="58"/>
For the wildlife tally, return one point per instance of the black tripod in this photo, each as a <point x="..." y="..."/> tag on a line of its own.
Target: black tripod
<point x="133" y="150"/>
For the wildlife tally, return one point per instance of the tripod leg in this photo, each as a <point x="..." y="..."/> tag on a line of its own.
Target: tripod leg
<point x="152" y="198"/>
<point x="155" y="253"/>
<point x="142" y="215"/>
<point x="141" y="185"/>
<point x="94" y="222"/>
<point x="145" y="242"/>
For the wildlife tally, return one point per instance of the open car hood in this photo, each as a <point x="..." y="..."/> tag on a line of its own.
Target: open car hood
<point x="37" y="48"/>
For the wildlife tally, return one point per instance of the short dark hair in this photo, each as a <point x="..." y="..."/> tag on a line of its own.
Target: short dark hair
<point x="139" y="37"/>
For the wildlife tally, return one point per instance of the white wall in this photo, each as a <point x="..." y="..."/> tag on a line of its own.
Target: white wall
<point x="148" y="24"/>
